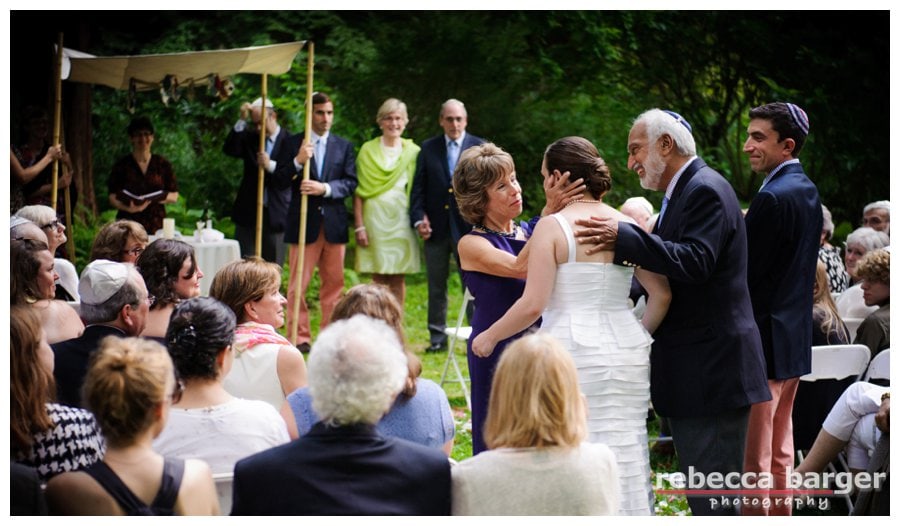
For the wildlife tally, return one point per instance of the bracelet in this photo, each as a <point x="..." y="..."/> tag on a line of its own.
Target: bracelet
<point x="886" y="396"/>
<point x="360" y="228"/>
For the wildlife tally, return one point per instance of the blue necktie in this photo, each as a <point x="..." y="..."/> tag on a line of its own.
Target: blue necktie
<point x="662" y="211"/>
<point x="320" y="155"/>
<point x="269" y="144"/>
<point x="452" y="156"/>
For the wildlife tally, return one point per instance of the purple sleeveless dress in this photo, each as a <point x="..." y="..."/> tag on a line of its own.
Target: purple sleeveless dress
<point x="493" y="297"/>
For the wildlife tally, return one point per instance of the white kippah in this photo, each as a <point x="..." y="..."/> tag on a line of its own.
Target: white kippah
<point x="258" y="103"/>
<point x="100" y="280"/>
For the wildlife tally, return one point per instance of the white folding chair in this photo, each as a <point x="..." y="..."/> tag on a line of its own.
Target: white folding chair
<point x="836" y="362"/>
<point x="223" y="491"/>
<point x="458" y="333"/>
<point x="880" y="367"/>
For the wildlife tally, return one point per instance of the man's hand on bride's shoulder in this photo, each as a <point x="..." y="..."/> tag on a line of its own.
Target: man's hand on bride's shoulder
<point x="599" y="232"/>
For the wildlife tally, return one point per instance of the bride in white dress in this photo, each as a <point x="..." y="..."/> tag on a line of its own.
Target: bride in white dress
<point x="584" y="300"/>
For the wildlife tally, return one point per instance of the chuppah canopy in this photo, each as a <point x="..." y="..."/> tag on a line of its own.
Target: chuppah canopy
<point x="197" y="67"/>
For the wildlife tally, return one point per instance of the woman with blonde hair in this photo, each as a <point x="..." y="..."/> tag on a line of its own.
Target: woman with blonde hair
<point x="130" y="387"/>
<point x="538" y="462"/>
<point x="421" y="413"/>
<point x="50" y="437"/>
<point x="266" y="366"/>
<point x="386" y="245"/>
<point x="828" y="328"/>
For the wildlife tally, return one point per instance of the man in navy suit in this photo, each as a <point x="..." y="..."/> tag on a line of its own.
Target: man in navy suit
<point x="343" y="466"/>
<point x="434" y="214"/>
<point x="114" y="302"/>
<point x="332" y="178"/>
<point x="707" y="366"/>
<point x="243" y="142"/>
<point x="784" y="224"/>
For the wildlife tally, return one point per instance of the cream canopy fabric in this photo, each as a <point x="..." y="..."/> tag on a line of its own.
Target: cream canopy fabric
<point x="149" y="71"/>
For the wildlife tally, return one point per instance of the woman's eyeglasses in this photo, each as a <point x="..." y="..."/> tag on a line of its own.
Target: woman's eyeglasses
<point x="136" y="251"/>
<point x="53" y="225"/>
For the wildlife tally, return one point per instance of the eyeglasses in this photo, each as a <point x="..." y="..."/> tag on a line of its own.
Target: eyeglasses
<point x="136" y="251"/>
<point x="175" y="397"/>
<point x="55" y="224"/>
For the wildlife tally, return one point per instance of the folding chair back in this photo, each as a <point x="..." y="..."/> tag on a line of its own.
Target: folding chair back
<point x="455" y="334"/>
<point x="223" y="491"/>
<point x="879" y="370"/>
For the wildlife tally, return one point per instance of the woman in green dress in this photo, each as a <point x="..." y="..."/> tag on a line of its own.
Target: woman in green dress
<point x="386" y="245"/>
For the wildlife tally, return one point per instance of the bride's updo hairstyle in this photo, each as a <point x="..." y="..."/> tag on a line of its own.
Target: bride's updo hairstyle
<point x="580" y="158"/>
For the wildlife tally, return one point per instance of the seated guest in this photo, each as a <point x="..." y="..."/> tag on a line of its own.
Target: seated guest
<point x="266" y="366"/>
<point x="538" y="462"/>
<point x="420" y="414"/>
<point x="21" y="228"/>
<point x="50" y="437"/>
<point x="114" y="302"/>
<point x="850" y="303"/>
<point x="831" y="256"/>
<point x="129" y="387"/>
<point x="122" y="241"/>
<point x="208" y="423"/>
<point x="170" y="271"/>
<point x="639" y="209"/>
<point x="343" y="466"/>
<point x="45" y="217"/>
<point x="828" y="329"/>
<point x="877" y="215"/>
<point x="856" y="423"/>
<point x="33" y="283"/>
<point x="874" y="270"/>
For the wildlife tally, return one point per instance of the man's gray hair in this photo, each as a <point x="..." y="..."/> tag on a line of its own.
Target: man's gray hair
<point x="129" y="294"/>
<point x="659" y="123"/>
<point x="452" y="102"/>
<point x="868" y="238"/>
<point x="878" y="205"/>
<point x="356" y="369"/>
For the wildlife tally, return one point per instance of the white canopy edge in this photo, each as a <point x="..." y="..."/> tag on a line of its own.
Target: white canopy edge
<point x="149" y="71"/>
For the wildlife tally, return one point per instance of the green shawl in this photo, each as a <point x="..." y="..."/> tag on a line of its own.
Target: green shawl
<point x="374" y="178"/>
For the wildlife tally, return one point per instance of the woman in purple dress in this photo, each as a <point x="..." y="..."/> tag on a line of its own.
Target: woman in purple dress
<point x="493" y="256"/>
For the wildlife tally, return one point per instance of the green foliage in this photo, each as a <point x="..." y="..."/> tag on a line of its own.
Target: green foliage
<point x="529" y="78"/>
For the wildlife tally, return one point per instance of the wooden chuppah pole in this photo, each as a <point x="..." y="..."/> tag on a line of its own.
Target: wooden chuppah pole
<point x="304" y="204"/>
<point x="262" y="171"/>
<point x="57" y="110"/>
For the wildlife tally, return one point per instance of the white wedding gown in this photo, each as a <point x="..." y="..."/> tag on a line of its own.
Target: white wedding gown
<point x="590" y="313"/>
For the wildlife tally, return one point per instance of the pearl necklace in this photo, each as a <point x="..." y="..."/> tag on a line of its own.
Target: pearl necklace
<point x="572" y="202"/>
<point x="511" y="235"/>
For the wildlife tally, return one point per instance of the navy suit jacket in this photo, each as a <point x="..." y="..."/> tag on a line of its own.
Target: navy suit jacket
<point x="706" y="357"/>
<point x="784" y="225"/>
<point x="432" y="189"/>
<point x="245" y="146"/>
<point x="350" y="470"/>
<point x="71" y="358"/>
<point x="339" y="172"/>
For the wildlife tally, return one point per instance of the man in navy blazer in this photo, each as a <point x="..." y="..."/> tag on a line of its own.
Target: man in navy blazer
<point x="332" y="178"/>
<point x="784" y="224"/>
<point x="434" y="214"/>
<point x="707" y="366"/>
<point x="243" y="142"/>
<point x="114" y="302"/>
<point x="343" y="466"/>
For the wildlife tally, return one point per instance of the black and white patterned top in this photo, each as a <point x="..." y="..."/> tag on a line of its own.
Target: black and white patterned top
<point x="838" y="281"/>
<point x="72" y="443"/>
